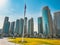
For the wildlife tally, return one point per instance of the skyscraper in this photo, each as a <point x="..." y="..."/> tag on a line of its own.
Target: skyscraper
<point x="17" y="27"/>
<point x="23" y="34"/>
<point x="30" y="28"/>
<point x="47" y="22"/>
<point x="57" y="23"/>
<point x="21" y="27"/>
<point x="25" y="28"/>
<point x="12" y="25"/>
<point x="6" y="26"/>
<point x="40" y="25"/>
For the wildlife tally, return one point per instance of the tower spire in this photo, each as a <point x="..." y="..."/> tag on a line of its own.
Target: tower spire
<point x="25" y="10"/>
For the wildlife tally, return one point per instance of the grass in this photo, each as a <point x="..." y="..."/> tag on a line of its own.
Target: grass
<point x="35" y="41"/>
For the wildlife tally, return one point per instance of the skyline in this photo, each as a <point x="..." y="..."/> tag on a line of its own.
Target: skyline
<point x="14" y="9"/>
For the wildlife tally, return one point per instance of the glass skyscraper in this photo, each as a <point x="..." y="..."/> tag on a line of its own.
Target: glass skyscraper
<point x="57" y="23"/>
<point x="12" y="25"/>
<point x="30" y="28"/>
<point x="25" y="27"/>
<point x="47" y="21"/>
<point x="21" y="26"/>
<point x="6" y="26"/>
<point x="17" y="27"/>
<point x="40" y="25"/>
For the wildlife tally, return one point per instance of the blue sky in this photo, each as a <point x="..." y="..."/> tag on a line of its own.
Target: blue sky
<point x="14" y="9"/>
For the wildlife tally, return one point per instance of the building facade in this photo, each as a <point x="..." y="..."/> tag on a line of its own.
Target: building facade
<point x="25" y="26"/>
<point x="21" y="27"/>
<point x="6" y="26"/>
<point x="40" y="25"/>
<point x="57" y="23"/>
<point x="30" y="28"/>
<point x="11" y="30"/>
<point x="47" y="22"/>
<point x="17" y="27"/>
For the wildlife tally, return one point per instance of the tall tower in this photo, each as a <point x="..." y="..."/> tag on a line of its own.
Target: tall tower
<point x="24" y="10"/>
<point x="57" y="23"/>
<point x="6" y="26"/>
<point x="12" y="28"/>
<point x="47" y="22"/>
<point x="24" y="23"/>
<point x="30" y="28"/>
<point x="25" y="28"/>
<point x="40" y="25"/>
<point x="21" y="26"/>
<point x="17" y="27"/>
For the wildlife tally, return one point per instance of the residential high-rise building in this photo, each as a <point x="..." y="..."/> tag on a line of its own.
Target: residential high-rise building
<point x="12" y="25"/>
<point x="30" y="28"/>
<point x="47" y="22"/>
<point x="21" y="27"/>
<point x="57" y="23"/>
<point x="25" y="27"/>
<point x="6" y="26"/>
<point x="40" y="25"/>
<point x="17" y="27"/>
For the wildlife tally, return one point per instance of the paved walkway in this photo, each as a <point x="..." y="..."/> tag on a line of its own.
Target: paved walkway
<point x="4" y="41"/>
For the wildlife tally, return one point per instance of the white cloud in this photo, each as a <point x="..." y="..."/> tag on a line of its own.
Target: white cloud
<point x="3" y="3"/>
